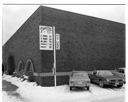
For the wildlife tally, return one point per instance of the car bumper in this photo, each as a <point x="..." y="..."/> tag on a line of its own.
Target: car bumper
<point x="80" y="85"/>
<point x="113" y="83"/>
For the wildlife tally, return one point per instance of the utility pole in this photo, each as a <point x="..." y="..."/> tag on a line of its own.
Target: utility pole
<point x="54" y="49"/>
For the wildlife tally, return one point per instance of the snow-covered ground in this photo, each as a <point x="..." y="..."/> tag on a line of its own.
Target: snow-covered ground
<point x="9" y="98"/>
<point x="31" y="92"/>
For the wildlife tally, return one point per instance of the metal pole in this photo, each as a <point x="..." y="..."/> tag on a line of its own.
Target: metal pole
<point x="54" y="39"/>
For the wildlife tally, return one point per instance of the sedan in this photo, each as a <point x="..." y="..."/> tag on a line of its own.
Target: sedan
<point x="105" y="77"/>
<point x="79" y="79"/>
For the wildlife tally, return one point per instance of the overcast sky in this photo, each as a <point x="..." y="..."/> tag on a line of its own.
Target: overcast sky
<point x="15" y="15"/>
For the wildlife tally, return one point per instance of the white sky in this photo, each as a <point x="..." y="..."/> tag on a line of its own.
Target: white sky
<point x="15" y="15"/>
<point x="66" y="1"/>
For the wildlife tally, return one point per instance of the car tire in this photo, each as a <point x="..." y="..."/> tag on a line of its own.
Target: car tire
<point x="101" y="84"/>
<point x="119" y="86"/>
<point x="88" y="87"/>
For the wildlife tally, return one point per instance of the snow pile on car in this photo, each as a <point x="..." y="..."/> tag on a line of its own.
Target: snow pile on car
<point x="34" y="93"/>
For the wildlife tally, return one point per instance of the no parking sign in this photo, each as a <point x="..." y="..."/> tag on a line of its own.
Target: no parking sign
<point x="58" y="41"/>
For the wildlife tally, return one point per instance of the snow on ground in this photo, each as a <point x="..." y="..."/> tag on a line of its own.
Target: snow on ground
<point x="8" y="98"/>
<point x="34" y="93"/>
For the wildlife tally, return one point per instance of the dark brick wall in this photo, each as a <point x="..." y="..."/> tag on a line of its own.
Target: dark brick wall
<point x="86" y="43"/>
<point x="24" y="44"/>
<point x="49" y="80"/>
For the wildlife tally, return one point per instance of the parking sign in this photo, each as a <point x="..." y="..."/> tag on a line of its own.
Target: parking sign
<point x="46" y="38"/>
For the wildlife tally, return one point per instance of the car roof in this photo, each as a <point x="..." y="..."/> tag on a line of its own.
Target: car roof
<point x="103" y="70"/>
<point x="122" y="68"/>
<point x="79" y="71"/>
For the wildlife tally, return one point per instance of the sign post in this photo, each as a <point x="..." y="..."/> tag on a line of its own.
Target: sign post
<point x="54" y="48"/>
<point x="49" y="40"/>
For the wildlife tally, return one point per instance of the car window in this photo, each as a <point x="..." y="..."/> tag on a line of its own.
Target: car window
<point x="94" y="73"/>
<point x="122" y="71"/>
<point x="80" y="75"/>
<point x="105" y="73"/>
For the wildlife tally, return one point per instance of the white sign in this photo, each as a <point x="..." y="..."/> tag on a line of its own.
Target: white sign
<point x="58" y="41"/>
<point x="46" y="38"/>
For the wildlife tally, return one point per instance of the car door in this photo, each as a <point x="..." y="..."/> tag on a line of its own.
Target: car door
<point x="94" y="77"/>
<point x="97" y="77"/>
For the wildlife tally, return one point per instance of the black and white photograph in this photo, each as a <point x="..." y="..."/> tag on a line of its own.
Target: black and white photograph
<point x="63" y="53"/>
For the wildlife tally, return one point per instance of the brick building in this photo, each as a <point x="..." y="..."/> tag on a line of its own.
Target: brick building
<point x="86" y="43"/>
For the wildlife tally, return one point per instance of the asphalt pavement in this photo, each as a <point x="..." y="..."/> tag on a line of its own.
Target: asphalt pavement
<point x="7" y="86"/>
<point x="10" y="89"/>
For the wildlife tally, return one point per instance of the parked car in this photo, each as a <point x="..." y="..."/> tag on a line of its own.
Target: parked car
<point x="79" y="79"/>
<point x="104" y="77"/>
<point x="120" y="72"/>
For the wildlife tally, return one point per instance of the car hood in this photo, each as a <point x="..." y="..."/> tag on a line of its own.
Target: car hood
<point x="79" y="79"/>
<point x="112" y="77"/>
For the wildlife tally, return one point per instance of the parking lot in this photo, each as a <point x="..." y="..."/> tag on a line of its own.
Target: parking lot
<point x="30" y="92"/>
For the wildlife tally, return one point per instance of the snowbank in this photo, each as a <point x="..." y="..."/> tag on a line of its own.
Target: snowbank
<point x="34" y="93"/>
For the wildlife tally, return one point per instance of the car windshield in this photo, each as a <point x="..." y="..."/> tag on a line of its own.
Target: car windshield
<point x="105" y="73"/>
<point x="80" y="74"/>
<point x="121" y="70"/>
